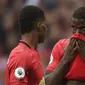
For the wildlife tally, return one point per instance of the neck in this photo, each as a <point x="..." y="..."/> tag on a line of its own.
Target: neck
<point x="31" y="39"/>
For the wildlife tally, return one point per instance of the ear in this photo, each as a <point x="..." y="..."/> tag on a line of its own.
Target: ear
<point x="38" y="26"/>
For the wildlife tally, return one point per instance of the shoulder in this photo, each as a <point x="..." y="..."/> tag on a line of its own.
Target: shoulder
<point x="59" y="47"/>
<point x="21" y="54"/>
<point x="62" y="43"/>
<point x="21" y="57"/>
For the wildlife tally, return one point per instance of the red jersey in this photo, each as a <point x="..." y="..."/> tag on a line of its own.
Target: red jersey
<point x="77" y="68"/>
<point x="24" y="66"/>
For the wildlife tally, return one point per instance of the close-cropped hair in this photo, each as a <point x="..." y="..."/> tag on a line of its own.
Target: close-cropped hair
<point x="79" y="13"/>
<point x="28" y="16"/>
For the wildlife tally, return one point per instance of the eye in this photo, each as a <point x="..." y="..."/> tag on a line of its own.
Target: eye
<point x="82" y="28"/>
<point x="73" y="27"/>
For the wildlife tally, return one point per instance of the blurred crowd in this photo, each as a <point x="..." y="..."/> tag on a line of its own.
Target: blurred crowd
<point x="58" y="15"/>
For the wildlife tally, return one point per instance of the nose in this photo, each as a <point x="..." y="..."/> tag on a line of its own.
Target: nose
<point x="77" y="31"/>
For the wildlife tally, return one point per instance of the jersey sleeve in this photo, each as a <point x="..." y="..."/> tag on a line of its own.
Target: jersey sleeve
<point x="37" y="69"/>
<point x="17" y="69"/>
<point x="55" y="57"/>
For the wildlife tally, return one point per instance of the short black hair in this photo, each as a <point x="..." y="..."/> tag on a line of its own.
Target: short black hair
<point x="28" y="15"/>
<point x="79" y="13"/>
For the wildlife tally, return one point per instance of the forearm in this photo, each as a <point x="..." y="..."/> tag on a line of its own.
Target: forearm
<point x="75" y="82"/>
<point x="57" y="76"/>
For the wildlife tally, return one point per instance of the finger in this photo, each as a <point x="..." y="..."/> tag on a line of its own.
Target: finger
<point x="75" y="48"/>
<point x="70" y="46"/>
<point x="77" y="45"/>
<point x="73" y="43"/>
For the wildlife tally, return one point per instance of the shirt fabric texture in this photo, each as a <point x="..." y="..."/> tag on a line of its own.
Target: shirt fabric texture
<point x="76" y="69"/>
<point x="26" y="57"/>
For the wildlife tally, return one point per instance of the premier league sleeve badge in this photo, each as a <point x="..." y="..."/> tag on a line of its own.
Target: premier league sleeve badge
<point x="19" y="73"/>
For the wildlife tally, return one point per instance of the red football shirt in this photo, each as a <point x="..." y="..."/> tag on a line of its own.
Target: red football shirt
<point x="77" y="68"/>
<point x="24" y="66"/>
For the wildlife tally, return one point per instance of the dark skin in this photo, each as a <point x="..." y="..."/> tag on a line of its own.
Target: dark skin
<point x="37" y="35"/>
<point x="80" y="28"/>
<point x="57" y="77"/>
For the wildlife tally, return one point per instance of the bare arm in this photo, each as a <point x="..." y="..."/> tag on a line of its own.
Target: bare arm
<point x="57" y="76"/>
<point x="75" y="82"/>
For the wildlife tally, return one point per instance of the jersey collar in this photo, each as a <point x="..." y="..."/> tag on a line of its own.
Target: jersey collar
<point x="27" y="44"/>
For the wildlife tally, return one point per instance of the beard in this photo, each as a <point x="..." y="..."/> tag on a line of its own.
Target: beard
<point x="41" y="39"/>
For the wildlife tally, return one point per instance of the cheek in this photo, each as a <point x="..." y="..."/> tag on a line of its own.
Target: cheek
<point x="41" y="35"/>
<point x="43" y="32"/>
<point x="83" y="33"/>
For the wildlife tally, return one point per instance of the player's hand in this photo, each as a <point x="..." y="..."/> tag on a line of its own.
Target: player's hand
<point x="70" y="51"/>
<point x="81" y="49"/>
